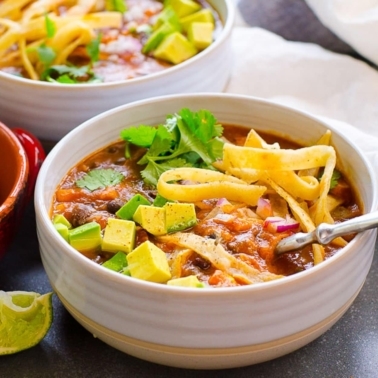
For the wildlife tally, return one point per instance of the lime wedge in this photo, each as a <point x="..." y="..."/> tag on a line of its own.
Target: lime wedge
<point x="25" y="318"/>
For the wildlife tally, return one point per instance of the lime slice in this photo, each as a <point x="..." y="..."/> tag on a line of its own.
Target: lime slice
<point x="25" y="318"/>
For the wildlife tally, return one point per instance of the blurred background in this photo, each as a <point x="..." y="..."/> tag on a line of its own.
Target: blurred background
<point x="293" y="20"/>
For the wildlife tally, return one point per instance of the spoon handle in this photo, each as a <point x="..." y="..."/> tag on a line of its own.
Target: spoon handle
<point x="325" y="233"/>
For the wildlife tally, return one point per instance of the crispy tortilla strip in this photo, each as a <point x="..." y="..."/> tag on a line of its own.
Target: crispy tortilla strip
<point x="299" y="213"/>
<point x="27" y="60"/>
<point x="36" y="29"/>
<point x="219" y="257"/>
<point x="305" y="187"/>
<point x="9" y="34"/>
<point x="12" y="7"/>
<point x="333" y="202"/>
<point x="319" y="212"/>
<point x="319" y="253"/>
<point x="207" y="185"/>
<point x="255" y="140"/>
<point x="324" y="139"/>
<point x="67" y="38"/>
<point x="177" y="260"/>
<point x="275" y="159"/>
<point x="301" y="216"/>
<point x="82" y="7"/>
<point x="249" y="175"/>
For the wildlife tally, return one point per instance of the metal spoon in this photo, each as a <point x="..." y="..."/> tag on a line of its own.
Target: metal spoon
<point x="325" y="233"/>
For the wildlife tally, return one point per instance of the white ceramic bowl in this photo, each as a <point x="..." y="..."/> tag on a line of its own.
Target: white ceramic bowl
<point x="209" y="328"/>
<point x="51" y="110"/>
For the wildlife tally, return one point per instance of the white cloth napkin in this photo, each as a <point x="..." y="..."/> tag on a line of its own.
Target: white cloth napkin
<point x="340" y="90"/>
<point x="354" y="21"/>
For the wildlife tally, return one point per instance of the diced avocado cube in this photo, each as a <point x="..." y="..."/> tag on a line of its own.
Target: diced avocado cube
<point x="179" y="216"/>
<point x="148" y="262"/>
<point x="116" y="262"/>
<point x="151" y="218"/>
<point x="62" y="229"/>
<point x="128" y="209"/>
<point x="204" y="15"/>
<point x="175" y="48"/>
<point x="85" y="237"/>
<point x="189" y="281"/>
<point x="170" y="16"/>
<point x="184" y="7"/>
<point x="60" y="218"/>
<point x="157" y="37"/>
<point x="119" y="235"/>
<point x="200" y="34"/>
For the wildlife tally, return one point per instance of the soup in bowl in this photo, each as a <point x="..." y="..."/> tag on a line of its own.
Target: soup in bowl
<point x="73" y="60"/>
<point x="199" y="225"/>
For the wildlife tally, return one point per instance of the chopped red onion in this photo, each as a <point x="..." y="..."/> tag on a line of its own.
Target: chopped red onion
<point x="264" y="208"/>
<point x="279" y="224"/>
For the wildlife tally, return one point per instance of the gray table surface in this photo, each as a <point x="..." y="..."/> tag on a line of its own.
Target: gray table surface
<point x="348" y="349"/>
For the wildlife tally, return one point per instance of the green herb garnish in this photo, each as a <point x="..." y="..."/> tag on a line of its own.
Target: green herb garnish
<point x="50" y="26"/>
<point x="70" y="74"/>
<point x="46" y="54"/>
<point x="93" y="49"/>
<point x="336" y="175"/>
<point x="186" y="139"/>
<point x="100" y="178"/>
<point x="116" y="6"/>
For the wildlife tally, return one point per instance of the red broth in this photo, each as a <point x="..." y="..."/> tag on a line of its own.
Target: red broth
<point x="241" y="236"/>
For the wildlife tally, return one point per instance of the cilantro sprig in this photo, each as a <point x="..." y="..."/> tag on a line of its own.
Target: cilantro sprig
<point x="186" y="139"/>
<point x="336" y="176"/>
<point x="100" y="178"/>
<point x="70" y="74"/>
<point x="49" y="26"/>
<point x="116" y="5"/>
<point x="93" y="48"/>
<point x="45" y="53"/>
<point x="67" y="74"/>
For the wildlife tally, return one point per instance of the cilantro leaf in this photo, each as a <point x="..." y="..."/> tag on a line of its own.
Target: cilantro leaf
<point x="215" y="147"/>
<point x="46" y="54"/>
<point x="65" y="79"/>
<point x="69" y="74"/>
<point x="336" y="175"/>
<point x="116" y="5"/>
<point x="141" y="136"/>
<point x="50" y="26"/>
<point x="153" y="170"/>
<point x="93" y="49"/>
<point x="99" y="178"/>
<point x="190" y="142"/>
<point x="201" y="123"/>
<point x="189" y="139"/>
<point x="161" y="144"/>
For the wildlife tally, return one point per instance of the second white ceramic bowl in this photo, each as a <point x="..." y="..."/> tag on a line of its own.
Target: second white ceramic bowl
<point x="51" y="110"/>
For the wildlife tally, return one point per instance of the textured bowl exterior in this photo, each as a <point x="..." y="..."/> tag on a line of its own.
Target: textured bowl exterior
<point x="50" y="110"/>
<point x="205" y="319"/>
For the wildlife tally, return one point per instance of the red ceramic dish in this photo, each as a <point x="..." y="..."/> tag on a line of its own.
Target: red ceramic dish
<point x="22" y="155"/>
